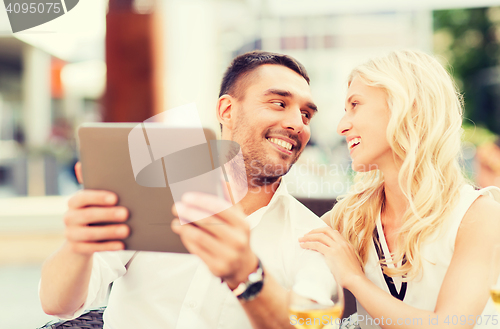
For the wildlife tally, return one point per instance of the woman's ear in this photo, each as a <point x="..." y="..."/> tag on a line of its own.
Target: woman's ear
<point x="224" y="111"/>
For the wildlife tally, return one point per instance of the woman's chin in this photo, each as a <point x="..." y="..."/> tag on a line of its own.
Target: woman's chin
<point x="362" y="167"/>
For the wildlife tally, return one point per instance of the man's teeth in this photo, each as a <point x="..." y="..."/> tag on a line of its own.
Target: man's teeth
<point x="353" y="142"/>
<point x="281" y="143"/>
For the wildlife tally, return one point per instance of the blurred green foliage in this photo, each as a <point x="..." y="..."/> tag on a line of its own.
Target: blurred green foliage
<point x="477" y="135"/>
<point x="467" y="43"/>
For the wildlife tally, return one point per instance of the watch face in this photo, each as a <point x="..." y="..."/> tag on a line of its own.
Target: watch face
<point x="252" y="290"/>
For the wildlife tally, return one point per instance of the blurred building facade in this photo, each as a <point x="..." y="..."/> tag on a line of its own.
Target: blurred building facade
<point x="49" y="83"/>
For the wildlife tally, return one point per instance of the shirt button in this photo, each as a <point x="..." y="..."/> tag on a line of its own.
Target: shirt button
<point x="192" y="304"/>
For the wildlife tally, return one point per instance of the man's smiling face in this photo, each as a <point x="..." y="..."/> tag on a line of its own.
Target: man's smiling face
<point x="271" y="121"/>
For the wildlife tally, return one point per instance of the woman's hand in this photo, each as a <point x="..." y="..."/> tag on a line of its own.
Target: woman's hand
<point x="340" y="255"/>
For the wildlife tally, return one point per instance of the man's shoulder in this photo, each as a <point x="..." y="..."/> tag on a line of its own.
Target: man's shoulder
<point x="300" y="206"/>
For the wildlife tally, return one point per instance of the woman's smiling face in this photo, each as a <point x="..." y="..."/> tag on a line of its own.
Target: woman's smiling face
<point x="364" y="125"/>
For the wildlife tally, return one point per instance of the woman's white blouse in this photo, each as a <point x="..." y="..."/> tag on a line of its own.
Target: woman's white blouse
<point x="422" y="293"/>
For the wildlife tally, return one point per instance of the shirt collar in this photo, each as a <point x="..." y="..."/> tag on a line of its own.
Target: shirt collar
<point x="281" y="194"/>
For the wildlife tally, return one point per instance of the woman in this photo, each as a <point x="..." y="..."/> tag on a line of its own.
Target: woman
<point x="410" y="227"/>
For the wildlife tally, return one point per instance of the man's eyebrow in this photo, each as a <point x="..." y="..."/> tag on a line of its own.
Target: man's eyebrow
<point x="313" y="107"/>
<point x="278" y="92"/>
<point x="285" y="93"/>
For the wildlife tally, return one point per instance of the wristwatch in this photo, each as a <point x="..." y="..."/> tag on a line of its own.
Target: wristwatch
<point x="246" y="291"/>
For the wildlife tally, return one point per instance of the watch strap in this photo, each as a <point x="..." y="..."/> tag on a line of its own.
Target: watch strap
<point x="249" y="289"/>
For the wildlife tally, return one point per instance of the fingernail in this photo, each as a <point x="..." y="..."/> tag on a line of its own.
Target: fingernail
<point x="121" y="213"/>
<point x="110" y="199"/>
<point x="122" y="230"/>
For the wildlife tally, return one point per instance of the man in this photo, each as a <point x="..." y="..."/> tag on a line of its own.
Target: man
<point x="237" y="274"/>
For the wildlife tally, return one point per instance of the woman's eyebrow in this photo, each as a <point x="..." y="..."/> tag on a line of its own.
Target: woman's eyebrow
<point x="351" y="97"/>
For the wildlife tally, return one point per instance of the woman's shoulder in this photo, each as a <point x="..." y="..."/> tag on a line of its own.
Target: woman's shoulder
<point x="474" y="203"/>
<point x="482" y="219"/>
<point x="484" y="209"/>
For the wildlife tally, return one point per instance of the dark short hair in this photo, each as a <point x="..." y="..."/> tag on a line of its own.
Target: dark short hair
<point x="245" y="63"/>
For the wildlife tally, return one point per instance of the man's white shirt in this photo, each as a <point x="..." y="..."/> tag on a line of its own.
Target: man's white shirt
<point x="168" y="290"/>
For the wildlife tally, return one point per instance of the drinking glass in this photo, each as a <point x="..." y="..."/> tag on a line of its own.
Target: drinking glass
<point x="310" y="310"/>
<point x="495" y="277"/>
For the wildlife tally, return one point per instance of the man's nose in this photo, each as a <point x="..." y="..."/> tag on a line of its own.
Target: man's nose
<point x="294" y="121"/>
<point x="344" y="125"/>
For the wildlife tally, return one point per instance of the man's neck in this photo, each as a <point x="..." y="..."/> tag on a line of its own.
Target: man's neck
<point x="258" y="197"/>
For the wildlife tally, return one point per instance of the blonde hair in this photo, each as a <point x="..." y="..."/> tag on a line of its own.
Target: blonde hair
<point x="424" y="132"/>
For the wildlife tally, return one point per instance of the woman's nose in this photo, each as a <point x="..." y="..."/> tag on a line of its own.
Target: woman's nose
<point x="344" y="126"/>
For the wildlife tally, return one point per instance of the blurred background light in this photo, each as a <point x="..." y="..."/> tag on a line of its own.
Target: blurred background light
<point x="85" y="79"/>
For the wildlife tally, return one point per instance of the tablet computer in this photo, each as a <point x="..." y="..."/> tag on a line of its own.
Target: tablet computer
<point x="128" y="159"/>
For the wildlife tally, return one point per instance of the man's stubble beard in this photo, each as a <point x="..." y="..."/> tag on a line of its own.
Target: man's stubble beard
<point x="259" y="168"/>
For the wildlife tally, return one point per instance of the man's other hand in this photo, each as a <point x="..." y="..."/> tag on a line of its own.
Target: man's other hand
<point x="222" y="241"/>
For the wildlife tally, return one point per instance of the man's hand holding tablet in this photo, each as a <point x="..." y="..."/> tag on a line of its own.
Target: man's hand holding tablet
<point x="89" y="207"/>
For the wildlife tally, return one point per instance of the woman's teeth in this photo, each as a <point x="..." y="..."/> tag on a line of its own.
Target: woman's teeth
<point x="281" y="143"/>
<point x="353" y="142"/>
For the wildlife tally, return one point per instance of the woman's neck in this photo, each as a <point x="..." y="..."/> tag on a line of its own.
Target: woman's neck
<point x="395" y="202"/>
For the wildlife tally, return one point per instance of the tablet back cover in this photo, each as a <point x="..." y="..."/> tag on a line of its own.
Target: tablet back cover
<point x="106" y="165"/>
